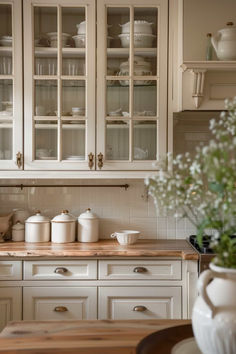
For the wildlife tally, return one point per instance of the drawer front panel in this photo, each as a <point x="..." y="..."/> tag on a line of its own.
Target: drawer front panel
<point x="59" y="303"/>
<point x="125" y="303"/>
<point x="10" y="305"/>
<point x="141" y="269"/>
<point x="10" y="270"/>
<point x="60" y="270"/>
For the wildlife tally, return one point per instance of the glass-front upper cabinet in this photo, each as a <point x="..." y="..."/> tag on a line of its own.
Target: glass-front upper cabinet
<point x="132" y="83"/>
<point x="10" y="85"/>
<point x="59" y="48"/>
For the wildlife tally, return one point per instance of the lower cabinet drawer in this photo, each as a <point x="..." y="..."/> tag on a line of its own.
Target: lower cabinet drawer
<point x="59" y="303"/>
<point x="141" y="303"/>
<point x="10" y="270"/>
<point x="60" y="270"/>
<point x="140" y="269"/>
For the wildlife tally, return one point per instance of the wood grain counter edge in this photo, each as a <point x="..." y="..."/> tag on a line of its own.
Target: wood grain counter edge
<point x="103" y="248"/>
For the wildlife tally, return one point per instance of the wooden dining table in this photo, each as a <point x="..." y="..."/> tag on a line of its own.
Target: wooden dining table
<point x="81" y="337"/>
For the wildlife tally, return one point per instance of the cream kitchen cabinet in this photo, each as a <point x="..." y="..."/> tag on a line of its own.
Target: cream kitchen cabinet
<point x="141" y="303"/>
<point x="97" y="104"/>
<point x="59" y="303"/>
<point x="10" y="305"/>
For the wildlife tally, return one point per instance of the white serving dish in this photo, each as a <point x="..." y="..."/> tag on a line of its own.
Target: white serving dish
<point x="80" y="40"/>
<point x="63" y="228"/>
<point x="81" y="27"/>
<point x="37" y="228"/>
<point x="141" y="40"/>
<point x="4" y="42"/>
<point x="140" y="26"/>
<point x="126" y="237"/>
<point x="88" y="227"/>
<point x="53" y="39"/>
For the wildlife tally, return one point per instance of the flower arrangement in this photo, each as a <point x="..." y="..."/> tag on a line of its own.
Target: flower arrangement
<point x="203" y="188"/>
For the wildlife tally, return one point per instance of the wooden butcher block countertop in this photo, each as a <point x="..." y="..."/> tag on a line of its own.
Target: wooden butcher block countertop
<point x="90" y="337"/>
<point x="103" y="248"/>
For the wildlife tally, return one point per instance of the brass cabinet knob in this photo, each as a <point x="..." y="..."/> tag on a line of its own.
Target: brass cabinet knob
<point x="90" y="160"/>
<point x="140" y="270"/>
<point x="139" y="308"/>
<point x="19" y="159"/>
<point x="60" y="270"/>
<point x="100" y="160"/>
<point x="60" y="309"/>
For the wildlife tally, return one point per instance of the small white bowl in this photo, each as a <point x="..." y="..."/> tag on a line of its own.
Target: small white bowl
<point x="126" y="237"/>
<point x="141" y="40"/>
<point x="80" y="40"/>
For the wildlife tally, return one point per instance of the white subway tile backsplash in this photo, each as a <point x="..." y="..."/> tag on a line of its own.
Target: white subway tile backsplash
<point x="116" y="208"/>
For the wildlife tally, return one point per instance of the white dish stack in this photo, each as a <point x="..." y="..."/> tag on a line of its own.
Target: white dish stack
<point x="143" y="37"/>
<point x="141" y="67"/>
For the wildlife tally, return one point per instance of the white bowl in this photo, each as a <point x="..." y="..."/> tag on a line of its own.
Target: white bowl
<point x="5" y="42"/>
<point x="140" y="26"/>
<point x="53" y="39"/>
<point x="80" y="40"/>
<point x="141" y="40"/>
<point x="126" y="237"/>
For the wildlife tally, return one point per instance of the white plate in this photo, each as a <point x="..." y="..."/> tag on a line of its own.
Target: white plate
<point x="186" y="346"/>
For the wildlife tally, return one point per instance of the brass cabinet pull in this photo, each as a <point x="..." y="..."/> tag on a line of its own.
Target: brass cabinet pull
<point x="100" y="160"/>
<point x="91" y="162"/>
<point x="19" y="159"/>
<point x="60" y="270"/>
<point x="139" y="308"/>
<point x="60" y="309"/>
<point x="140" y="270"/>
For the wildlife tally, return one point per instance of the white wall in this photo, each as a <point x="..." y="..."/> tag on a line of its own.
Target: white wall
<point x="116" y="208"/>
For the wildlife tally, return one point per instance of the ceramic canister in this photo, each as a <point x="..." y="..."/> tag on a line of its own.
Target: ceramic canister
<point x="88" y="227"/>
<point x="37" y="228"/>
<point x="18" y="232"/>
<point x="63" y="228"/>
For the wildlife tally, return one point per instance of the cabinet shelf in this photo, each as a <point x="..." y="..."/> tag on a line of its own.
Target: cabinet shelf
<point x="124" y="52"/>
<point x="64" y="126"/>
<point x="46" y="52"/>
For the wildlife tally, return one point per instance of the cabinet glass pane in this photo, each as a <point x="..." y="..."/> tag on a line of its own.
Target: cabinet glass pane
<point x="6" y="105"/>
<point x="117" y="140"/>
<point x="5" y="26"/>
<point x="73" y="55"/>
<point x="73" y="98"/>
<point x="118" y="98"/>
<point x="5" y="140"/>
<point x="45" y="35"/>
<point x="45" y="140"/>
<point x="116" y="17"/>
<point x="45" y="98"/>
<point x="145" y="136"/>
<point x="145" y="98"/>
<point x="145" y="27"/>
<point x="73" y="140"/>
<point x="145" y="64"/>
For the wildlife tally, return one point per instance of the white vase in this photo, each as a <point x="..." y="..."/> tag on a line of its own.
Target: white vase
<point x="214" y="312"/>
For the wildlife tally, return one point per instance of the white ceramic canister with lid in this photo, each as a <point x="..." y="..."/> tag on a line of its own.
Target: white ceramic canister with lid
<point x="37" y="228"/>
<point x="63" y="228"/>
<point x="88" y="227"/>
<point x="18" y="232"/>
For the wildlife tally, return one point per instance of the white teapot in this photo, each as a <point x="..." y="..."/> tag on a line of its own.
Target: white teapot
<point x="224" y="42"/>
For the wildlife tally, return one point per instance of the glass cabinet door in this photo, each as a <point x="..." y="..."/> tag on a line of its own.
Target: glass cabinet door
<point x="132" y="83"/>
<point x="10" y="85"/>
<point x="59" y="84"/>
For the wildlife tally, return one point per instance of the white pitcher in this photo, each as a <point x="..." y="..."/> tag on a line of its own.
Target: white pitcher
<point x="214" y="312"/>
<point x="224" y="42"/>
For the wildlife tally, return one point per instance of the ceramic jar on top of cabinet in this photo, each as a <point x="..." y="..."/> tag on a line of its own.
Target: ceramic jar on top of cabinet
<point x="63" y="228"/>
<point x="37" y="228"/>
<point x="88" y="227"/>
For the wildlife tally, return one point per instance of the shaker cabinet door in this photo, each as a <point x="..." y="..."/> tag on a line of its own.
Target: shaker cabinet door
<point x="59" y="44"/>
<point x="10" y="305"/>
<point x="132" y="83"/>
<point x="11" y="113"/>
<point x="59" y="303"/>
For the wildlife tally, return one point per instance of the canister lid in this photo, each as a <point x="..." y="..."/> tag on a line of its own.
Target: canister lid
<point x="64" y="217"/>
<point x="18" y="226"/>
<point x="88" y="215"/>
<point x="38" y="218"/>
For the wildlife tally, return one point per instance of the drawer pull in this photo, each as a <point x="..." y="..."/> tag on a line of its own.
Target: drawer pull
<point x="60" y="309"/>
<point x="139" y="308"/>
<point x="140" y="270"/>
<point x="60" y="270"/>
